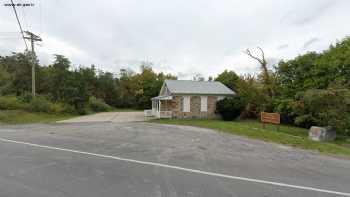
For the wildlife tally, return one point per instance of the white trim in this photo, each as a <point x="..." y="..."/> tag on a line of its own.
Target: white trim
<point x="182" y="168"/>
<point x="204" y="103"/>
<point x="219" y="98"/>
<point x="164" y="90"/>
<point x="186" y="103"/>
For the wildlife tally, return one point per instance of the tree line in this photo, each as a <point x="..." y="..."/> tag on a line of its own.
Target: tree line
<point x="61" y="82"/>
<point x="311" y="89"/>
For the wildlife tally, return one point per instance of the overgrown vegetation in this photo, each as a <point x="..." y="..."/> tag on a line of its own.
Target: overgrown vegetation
<point x="312" y="89"/>
<point x="230" y="108"/>
<point x="98" y="105"/>
<point x="25" y="117"/>
<point x="63" y="88"/>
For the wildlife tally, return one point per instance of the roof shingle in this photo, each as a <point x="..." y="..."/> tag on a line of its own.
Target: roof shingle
<point x="198" y="87"/>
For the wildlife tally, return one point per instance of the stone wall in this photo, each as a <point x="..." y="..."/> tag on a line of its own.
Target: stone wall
<point x="195" y="107"/>
<point x="166" y="105"/>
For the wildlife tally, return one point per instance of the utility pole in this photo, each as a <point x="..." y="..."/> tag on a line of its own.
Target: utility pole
<point x="33" y="38"/>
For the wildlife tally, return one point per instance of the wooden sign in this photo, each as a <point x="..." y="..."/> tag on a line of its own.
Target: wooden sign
<point x="273" y="118"/>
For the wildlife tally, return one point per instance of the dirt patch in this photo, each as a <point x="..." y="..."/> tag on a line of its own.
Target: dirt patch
<point x="108" y="117"/>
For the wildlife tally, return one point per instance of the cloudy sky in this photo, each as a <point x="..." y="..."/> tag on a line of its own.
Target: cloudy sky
<point x="179" y="36"/>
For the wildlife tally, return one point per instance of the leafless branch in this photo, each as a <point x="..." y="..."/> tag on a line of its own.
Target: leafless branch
<point x="263" y="64"/>
<point x="261" y="61"/>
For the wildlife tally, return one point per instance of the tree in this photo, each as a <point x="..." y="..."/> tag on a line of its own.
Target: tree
<point x="107" y="88"/>
<point x="228" y="78"/>
<point x="251" y="90"/>
<point x="60" y="84"/>
<point x="298" y="74"/>
<point x="19" y="66"/>
<point x="90" y="77"/>
<point x="148" y="85"/>
<point x="315" y="70"/>
<point x="5" y="81"/>
<point x="127" y="89"/>
<point x="75" y="87"/>
<point x="265" y="73"/>
<point x="328" y="107"/>
<point x="230" y="108"/>
<point x="198" y="77"/>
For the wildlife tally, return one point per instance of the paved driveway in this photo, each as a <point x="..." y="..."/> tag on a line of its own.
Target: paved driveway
<point x="145" y="159"/>
<point x="108" y="117"/>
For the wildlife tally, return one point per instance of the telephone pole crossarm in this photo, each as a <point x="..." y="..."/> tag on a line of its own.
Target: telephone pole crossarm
<point x="33" y="38"/>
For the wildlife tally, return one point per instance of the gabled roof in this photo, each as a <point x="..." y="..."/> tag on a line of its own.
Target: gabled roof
<point x="197" y="87"/>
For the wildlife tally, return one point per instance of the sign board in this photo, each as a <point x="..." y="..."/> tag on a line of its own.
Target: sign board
<point x="273" y="118"/>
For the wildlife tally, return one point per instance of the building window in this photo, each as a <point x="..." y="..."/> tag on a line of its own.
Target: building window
<point x="204" y="103"/>
<point x="186" y="104"/>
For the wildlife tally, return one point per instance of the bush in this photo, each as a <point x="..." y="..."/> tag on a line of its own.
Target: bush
<point x="230" y="108"/>
<point x="98" y="105"/>
<point x="10" y="103"/>
<point x="25" y="98"/>
<point x="305" y="121"/>
<point x="329" y="107"/>
<point x="68" y="109"/>
<point x="37" y="104"/>
<point x="254" y="96"/>
<point x="42" y="104"/>
<point x="286" y="109"/>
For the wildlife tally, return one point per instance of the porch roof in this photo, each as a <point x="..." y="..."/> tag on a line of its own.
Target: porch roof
<point x="166" y="97"/>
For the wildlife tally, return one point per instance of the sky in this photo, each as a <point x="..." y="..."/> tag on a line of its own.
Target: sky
<point x="181" y="37"/>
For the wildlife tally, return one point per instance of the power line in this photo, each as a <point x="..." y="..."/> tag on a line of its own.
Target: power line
<point x="26" y="24"/>
<point x="19" y="24"/>
<point x="9" y="32"/>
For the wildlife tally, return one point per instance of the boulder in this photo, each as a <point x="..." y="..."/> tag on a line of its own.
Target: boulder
<point x="322" y="134"/>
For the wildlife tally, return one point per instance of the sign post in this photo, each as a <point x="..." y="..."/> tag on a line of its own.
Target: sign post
<point x="273" y="118"/>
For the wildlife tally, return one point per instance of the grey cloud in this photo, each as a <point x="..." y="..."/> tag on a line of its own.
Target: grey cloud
<point x="272" y="61"/>
<point x="283" y="46"/>
<point x="183" y="37"/>
<point x="307" y="11"/>
<point x="310" y="42"/>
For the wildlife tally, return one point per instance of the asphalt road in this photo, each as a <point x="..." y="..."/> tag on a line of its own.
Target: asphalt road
<point x="144" y="159"/>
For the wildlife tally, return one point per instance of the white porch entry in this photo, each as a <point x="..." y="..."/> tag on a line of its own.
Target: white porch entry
<point x="157" y="109"/>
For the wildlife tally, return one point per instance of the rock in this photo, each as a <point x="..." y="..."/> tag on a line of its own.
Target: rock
<point x="322" y="134"/>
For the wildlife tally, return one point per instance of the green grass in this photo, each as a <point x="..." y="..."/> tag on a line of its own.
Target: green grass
<point x="287" y="135"/>
<point x="24" y="117"/>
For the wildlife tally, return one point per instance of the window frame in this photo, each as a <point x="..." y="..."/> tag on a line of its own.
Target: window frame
<point x="204" y="105"/>
<point x="186" y="103"/>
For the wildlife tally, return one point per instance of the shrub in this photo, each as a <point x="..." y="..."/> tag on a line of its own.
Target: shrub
<point x="59" y="108"/>
<point x="329" y="107"/>
<point x="68" y="109"/>
<point x="98" y="105"/>
<point x="286" y="108"/>
<point x="305" y="121"/>
<point x="253" y="95"/>
<point x="10" y="103"/>
<point x="230" y="108"/>
<point x="40" y="104"/>
<point x="25" y="98"/>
